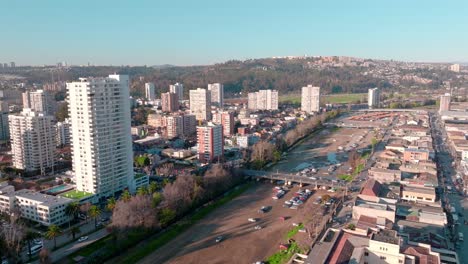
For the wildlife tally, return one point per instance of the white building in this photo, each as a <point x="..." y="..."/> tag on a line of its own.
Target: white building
<point x="217" y="94"/>
<point x="178" y="89"/>
<point x="101" y="142"/>
<point x="200" y="103"/>
<point x="4" y="130"/>
<point x="33" y="141"/>
<point x="174" y="126"/>
<point x="444" y="102"/>
<point x="210" y="142"/>
<point x="310" y="100"/>
<point x="263" y="100"/>
<point x="455" y="67"/>
<point x="39" y="101"/>
<point x="150" y="93"/>
<point x="63" y="132"/>
<point x="373" y="98"/>
<point x="37" y="207"/>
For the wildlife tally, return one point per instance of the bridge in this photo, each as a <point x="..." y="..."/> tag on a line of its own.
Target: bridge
<point x="292" y="178"/>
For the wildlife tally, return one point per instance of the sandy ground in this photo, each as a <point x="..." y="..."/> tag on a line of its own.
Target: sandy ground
<point x="241" y="243"/>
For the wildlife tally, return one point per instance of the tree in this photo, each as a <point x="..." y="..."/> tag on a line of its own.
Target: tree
<point x="142" y="161"/>
<point x="71" y="211"/>
<point x="62" y="112"/>
<point x="353" y="159"/>
<point x="94" y="212"/>
<point x="111" y="204"/>
<point x="44" y="256"/>
<point x="263" y="150"/>
<point x="157" y="199"/>
<point x="153" y="187"/>
<point x="30" y="236"/>
<point x="166" y="216"/>
<point x="135" y="213"/>
<point x="351" y="226"/>
<point x="52" y="233"/>
<point x="276" y="155"/>
<point x="11" y="239"/>
<point x="142" y="191"/>
<point x="126" y="196"/>
<point x="84" y="208"/>
<point x="75" y="230"/>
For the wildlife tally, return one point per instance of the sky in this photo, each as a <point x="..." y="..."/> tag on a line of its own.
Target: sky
<point x="189" y="32"/>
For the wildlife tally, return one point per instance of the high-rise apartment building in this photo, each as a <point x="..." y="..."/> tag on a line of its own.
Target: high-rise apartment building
<point x="32" y="141"/>
<point x="373" y="98"/>
<point x="4" y="130"/>
<point x="178" y="89"/>
<point x="150" y="92"/>
<point x="210" y="142"/>
<point x="217" y="94"/>
<point x="169" y="102"/>
<point x="263" y="100"/>
<point x="63" y="133"/>
<point x="445" y="101"/>
<point x="39" y="101"/>
<point x="226" y="119"/>
<point x="174" y="126"/>
<point x="102" y="154"/>
<point x="190" y="125"/>
<point x="200" y="103"/>
<point x="310" y="100"/>
<point x="455" y="67"/>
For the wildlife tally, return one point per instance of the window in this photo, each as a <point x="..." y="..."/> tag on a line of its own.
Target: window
<point x="383" y="257"/>
<point x="366" y="254"/>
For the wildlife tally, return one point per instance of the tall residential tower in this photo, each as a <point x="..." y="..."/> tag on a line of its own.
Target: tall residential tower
<point x="310" y="100"/>
<point x="217" y="94"/>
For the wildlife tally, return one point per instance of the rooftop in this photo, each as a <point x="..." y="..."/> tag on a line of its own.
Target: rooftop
<point x="44" y="199"/>
<point x="386" y="236"/>
<point x="424" y="190"/>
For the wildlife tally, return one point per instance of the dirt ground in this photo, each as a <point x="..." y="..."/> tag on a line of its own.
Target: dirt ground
<point x="241" y="243"/>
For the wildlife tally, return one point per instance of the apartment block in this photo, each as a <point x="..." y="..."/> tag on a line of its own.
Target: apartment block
<point x="226" y="119"/>
<point x="4" y="129"/>
<point x="178" y="89"/>
<point x="39" y="101"/>
<point x="150" y="93"/>
<point x="263" y="100"/>
<point x="210" y="142"/>
<point x="217" y="94"/>
<point x="200" y="104"/>
<point x="373" y="98"/>
<point x="63" y="132"/>
<point x="169" y="102"/>
<point x="310" y="100"/>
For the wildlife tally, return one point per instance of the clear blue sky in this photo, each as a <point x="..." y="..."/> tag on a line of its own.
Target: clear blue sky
<point x="204" y="31"/>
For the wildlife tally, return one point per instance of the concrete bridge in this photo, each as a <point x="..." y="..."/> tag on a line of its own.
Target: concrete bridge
<point x="292" y="178"/>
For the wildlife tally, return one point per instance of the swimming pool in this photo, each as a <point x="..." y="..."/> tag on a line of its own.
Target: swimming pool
<point x="59" y="189"/>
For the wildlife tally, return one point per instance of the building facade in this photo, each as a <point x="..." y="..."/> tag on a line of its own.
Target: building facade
<point x="4" y="129"/>
<point x="310" y="100"/>
<point x="175" y="126"/>
<point x="217" y="94"/>
<point x="33" y="141"/>
<point x="200" y="104"/>
<point x="169" y="102"/>
<point x="373" y="98"/>
<point x="445" y="102"/>
<point x="101" y="141"/>
<point x="178" y="89"/>
<point x="39" y="101"/>
<point x="226" y="119"/>
<point x="210" y="142"/>
<point x="63" y="132"/>
<point x="263" y="100"/>
<point x="150" y="92"/>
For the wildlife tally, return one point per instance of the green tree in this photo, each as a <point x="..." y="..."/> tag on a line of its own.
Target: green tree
<point x="71" y="211"/>
<point x="62" y="112"/>
<point x="157" y="199"/>
<point x="153" y="187"/>
<point x="52" y="233"/>
<point x="75" y="230"/>
<point x="276" y="155"/>
<point x="142" y="161"/>
<point x="111" y="204"/>
<point x="30" y="236"/>
<point x="165" y="216"/>
<point x="142" y="191"/>
<point x="126" y="196"/>
<point x="94" y="212"/>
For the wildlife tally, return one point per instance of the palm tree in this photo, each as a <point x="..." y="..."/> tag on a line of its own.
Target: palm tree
<point x="30" y="236"/>
<point x="71" y="211"/>
<point x="75" y="230"/>
<point x="126" y="196"/>
<point x="141" y="191"/>
<point x="153" y="187"/>
<point x="94" y="212"/>
<point x="111" y="204"/>
<point x="52" y="233"/>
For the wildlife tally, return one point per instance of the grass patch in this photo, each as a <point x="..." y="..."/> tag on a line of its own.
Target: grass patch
<point x="294" y="231"/>
<point x="284" y="255"/>
<point x="346" y="177"/>
<point x="358" y="169"/>
<point x="75" y="194"/>
<point x="327" y="99"/>
<point x="181" y="226"/>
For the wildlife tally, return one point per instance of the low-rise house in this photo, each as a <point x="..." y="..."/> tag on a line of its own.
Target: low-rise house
<point x="418" y="194"/>
<point x="385" y="175"/>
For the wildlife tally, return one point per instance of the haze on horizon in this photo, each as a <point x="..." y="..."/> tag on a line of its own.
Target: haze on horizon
<point x="208" y="31"/>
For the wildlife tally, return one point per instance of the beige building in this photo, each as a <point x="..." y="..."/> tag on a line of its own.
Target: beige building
<point x="39" y="101"/>
<point x="444" y="102"/>
<point x="217" y="94"/>
<point x="418" y="194"/>
<point x="384" y="175"/>
<point x="178" y="89"/>
<point x="33" y="141"/>
<point x="200" y="104"/>
<point x="263" y="100"/>
<point x="169" y="102"/>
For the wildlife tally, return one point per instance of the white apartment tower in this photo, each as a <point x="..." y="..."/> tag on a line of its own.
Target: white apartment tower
<point x="217" y="94"/>
<point x="200" y="104"/>
<point x="39" y="101"/>
<point x="263" y="100"/>
<point x="374" y="98"/>
<point x="310" y="100"/>
<point x="102" y="154"/>
<point x="63" y="133"/>
<point x="178" y="89"/>
<point x="150" y="93"/>
<point x="32" y="141"/>
<point x="445" y="101"/>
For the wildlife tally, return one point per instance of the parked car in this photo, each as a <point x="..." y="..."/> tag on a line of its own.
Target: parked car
<point x="253" y="220"/>
<point x="219" y="239"/>
<point x="83" y="238"/>
<point x="257" y="227"/>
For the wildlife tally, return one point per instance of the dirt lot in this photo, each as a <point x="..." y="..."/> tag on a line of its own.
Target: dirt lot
<point x="241" y="243"/>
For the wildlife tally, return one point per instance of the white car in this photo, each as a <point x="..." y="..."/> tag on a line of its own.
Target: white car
<point x="257" y="227"/>
<point x="253" y="220"/>
<point x="83" y="238"/>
